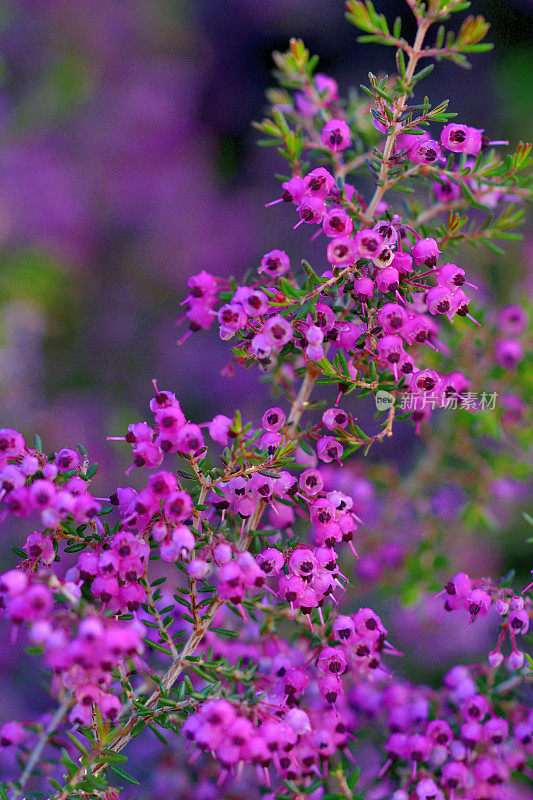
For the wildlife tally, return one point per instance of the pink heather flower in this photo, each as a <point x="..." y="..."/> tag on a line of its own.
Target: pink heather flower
<point x="219" y="428"/>
<point x="335" y="418"/>
<point x="275" y="263"/>
<point x="331" y="659"/>
<point x="325" y="318"/>
<point x="222" y="553"/>
<point x="260" y="347"/>
<point x="392" y="317"/>
<point x="425" y="151"/>
<point x="462" y="138"/>
<point x="501" y="607"/>
<point x="202" y="285"/>
<point x="110" y="706"/>
<point x="75" y="485"/>
<point x="460" y="304"/>
<point x="271" y="561"/>
<point x="475" y="708"/>
<point x="147" y="454"/>
<point x="322" y="512"/>
<point x="169" y="552"/>
<point x="184" y="540"/>
<point x="319" y="182"/>
<point x="198" y="569"/>
<point x="67" y="460"/>
<point x="314" y="335"/>
<point x="439" y="300"/>
<point x="425" y="380"/>
<point x="446" y="190"/>
<point x="384" y="259"/>
<point x="311" y="210"/>
<point x="11" y="477"/>
<point x="277" y="331"/>
<point x="512" y="320"/>
<point x="477" y="603"/>
<point x="495" y="658"/>
<point x="178" y="506"/>
<point x="293" y="191"/>
<point x="270" y="441"/>
<point x="405" y="141"/>
<point x="200" y="316"/>
<point x="336" y="135"/>
<point x="327" y="87"/>
<point x="519" y="621"/>
<point x="160" y="532"/>
<point x="11" y="734"/>
<point x="39" y="546"/>
<point x="341" y="251"/>
<point x="232" y="317"/>
<point x="516" y="660"/>
<point x="426" y="251"/>
<point x="11" y="443"/>
<point x="273" y="419"/>
<point x="189" y="439"/>
<point x="348" y="333"/>
<point x="453" y="384"/>
<point x="337" y="222"/>
<point x="303" y="563"/>
<point x="299" y="721"/>
<point x="330" y="687"/>
<point x="508" y="353"/>
<point x="496" y="730"/>
<point x="43" y="493"/>
<point x="403" y="262"/>
<point x="169" y="418"/>
<point x="460" y="585"/>
<point x="368" y="243"/>
<point x="427" y="789"/>
<point x="388" y="280"/>
<point x="162" y="399"/>
<point x="29" y="465"/>
<point x="311" y="482"/>
<point x="451" y="276"/>
<point x="280" y="515"/>
<point x="20" y="501"/>
<point x="418" y="747"/>
<point x="255" y="303"/>
<point x="343" y="628"/>
<point x="162" y="484"/>
<point x="387" y="231"/>
<point x="328" y="449"/>
<point x="106" y="587"/>
<point x="363" y="289"/>
<point x="13" y="582"/>
<point x="439" y="731"/>
<point x="261" y="486"/>
<point x="141" y="431"/>
<point x="38" y="602"/>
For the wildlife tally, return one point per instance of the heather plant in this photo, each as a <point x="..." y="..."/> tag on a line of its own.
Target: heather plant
<point x="214" y="605"/>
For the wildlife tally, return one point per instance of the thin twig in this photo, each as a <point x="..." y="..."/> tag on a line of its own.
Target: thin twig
<point x="41" y="744"/>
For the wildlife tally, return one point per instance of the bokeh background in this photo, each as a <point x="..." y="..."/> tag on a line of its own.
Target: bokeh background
<point x="128" y="162"/>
